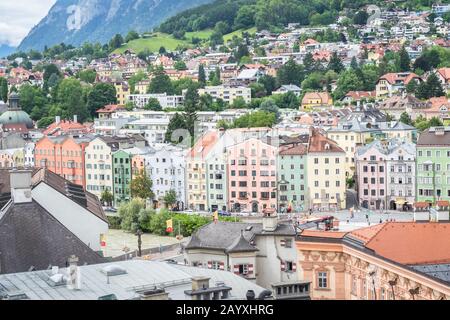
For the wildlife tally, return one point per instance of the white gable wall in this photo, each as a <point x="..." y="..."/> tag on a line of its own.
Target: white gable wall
<point x="81" y="222"/>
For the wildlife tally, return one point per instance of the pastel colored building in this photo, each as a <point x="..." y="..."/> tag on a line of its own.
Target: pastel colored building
<point x="389" y="261"/>
<point x="196" y="171"/>
<point x="166" y="167"/>
<point x="228" y="93"/>
<point x="99" y="161"/>
<point x="316" y="100"/>
<point x="433" y="166"/>
<point x="63" y="155"/>
<point x="392" y="83"/>
<point x="292" y="178"/>
<point x="371" y="175"/>
<point x="12" y="158"/>
<point x="326" y="173"/>
<point x="252" y="179"/>
<point x="401" y="176"/>
<point x="121" y="164"/>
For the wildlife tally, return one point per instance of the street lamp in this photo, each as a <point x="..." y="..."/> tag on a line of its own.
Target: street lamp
<point x="139" y="234"/>
<point x="393" y="283"/>
<point x="414" y="292"/>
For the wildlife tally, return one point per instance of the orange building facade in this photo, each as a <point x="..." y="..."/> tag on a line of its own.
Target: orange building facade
<point x="390" y="261"/>
<point x="64" y="156"/>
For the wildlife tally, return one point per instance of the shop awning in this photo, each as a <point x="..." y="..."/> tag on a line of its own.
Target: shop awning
<point x="400" y="201"/>
<point x="442" y="203"/>
<point x="421" y="205"/>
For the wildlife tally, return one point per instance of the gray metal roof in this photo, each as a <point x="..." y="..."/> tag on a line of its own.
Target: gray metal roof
<point x="32" y="237"/>
<point x="233" y="235"/>
<point x="440" y="271"/>
<point x="140" y="275"/>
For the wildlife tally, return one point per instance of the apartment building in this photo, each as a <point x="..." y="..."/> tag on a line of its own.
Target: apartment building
<point x="292" y="178"/>
<point x="196" y="171"/>
<point x="252" y="180"/>
<point x="326" y="173"/>
<point x="433" y="166"/>
<point x="227" y="93"/>
<point x="63" y="155"/>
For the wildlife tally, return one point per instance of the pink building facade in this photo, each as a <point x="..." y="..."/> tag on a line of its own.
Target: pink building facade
<point x="252" y="176"/>
<point x="371" y="176"/>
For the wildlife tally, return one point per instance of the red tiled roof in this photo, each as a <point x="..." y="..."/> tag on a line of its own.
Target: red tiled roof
<point x="110" y="108"/>
<point x="444" y="72"/>
<point x="412" y="243"/>
<point x="393" y="77"/>
<point x="204" y="145"/>
<point x="299" y="149"/>
<point x="320" y="143"/>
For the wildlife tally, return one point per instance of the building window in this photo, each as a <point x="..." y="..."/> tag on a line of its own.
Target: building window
<point x="322" y="280"/>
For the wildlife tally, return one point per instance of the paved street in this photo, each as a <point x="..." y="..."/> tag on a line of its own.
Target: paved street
<point x="117" y="240"/>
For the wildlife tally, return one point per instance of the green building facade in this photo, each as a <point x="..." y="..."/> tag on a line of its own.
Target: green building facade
<point x="121" y="176"/>
<point x="292" y="178"/>
<point x="433" y="165"/>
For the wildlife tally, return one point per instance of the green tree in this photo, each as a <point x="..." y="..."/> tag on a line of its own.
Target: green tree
<point x="116" y="42"/>
<point x="245" y="18"/>
<point x="405" y="61"/>
<point x="175" y="123"/>
<point x="160" y="83"/>
<point x="335" y="63"/>
<point x="134" y="216"/>
<point x="290" y="73"/>
<point x="141" y="186"/>
<point x="405" y="118"/>
<point x="153" y="104"/>
<point x="32" y="97"/>
<point x="201" y="75"/>
<point x="269" y="83"/>
<point x="180" y="65"/>
<point x="255" y="120"/>
<point x="132" y="35"/>
<point x="88" y="75"/>
<point x="107" y="197"/>
<point x="269" y="105"/>
<point x="3" y="89"/>
<point x="102" y="94"/>
<point x="71" y="100"/>
<point x="170" y="198"/>
<point x="139" y="76"/>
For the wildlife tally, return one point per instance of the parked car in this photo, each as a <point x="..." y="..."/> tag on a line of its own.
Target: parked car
<point x="224" y="214"/>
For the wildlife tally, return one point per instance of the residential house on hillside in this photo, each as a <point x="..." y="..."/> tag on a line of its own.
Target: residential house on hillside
<point x="392" y="83"/>
<point x="398" y="104"/>
<point x="316" y="100"/>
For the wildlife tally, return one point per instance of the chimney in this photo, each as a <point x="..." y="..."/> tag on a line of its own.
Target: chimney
<point x="74" y="280"/>
<point x="75" y="118"/>
<point x="270" y="223"/>
<point x="20" y="181"/>
<point x="199" y="283"/>
<point x="57" y="119"/>
<point x="155" y="294"/>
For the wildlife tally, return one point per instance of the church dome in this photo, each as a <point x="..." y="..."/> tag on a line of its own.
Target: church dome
<point x="14" y="114"/>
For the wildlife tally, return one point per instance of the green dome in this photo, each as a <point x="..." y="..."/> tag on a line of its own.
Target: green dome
<point x="14" y="114"/>
<point x="15" y="117"/>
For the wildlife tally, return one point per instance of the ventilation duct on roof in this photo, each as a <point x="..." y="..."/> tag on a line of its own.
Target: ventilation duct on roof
<point x="113" y="270"/>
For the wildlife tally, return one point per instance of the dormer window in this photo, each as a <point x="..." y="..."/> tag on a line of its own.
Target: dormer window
<point x="327" y="146"/>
